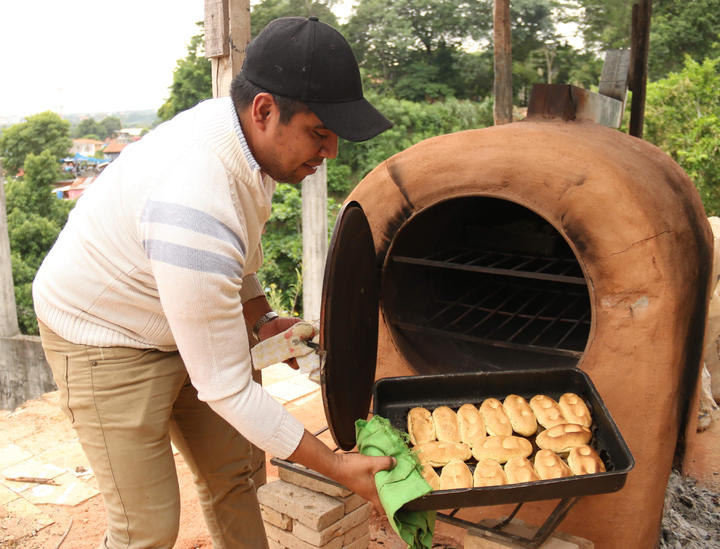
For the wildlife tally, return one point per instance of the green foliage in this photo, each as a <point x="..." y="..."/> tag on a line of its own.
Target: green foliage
<point x="23" y="275"/>
<point x="413" y="122"/>
<point x="34" y="218"/>
<point x="268" y="10"/>
<point x="41" y="132"/>
<point x="282" y="246"/>
<point x="192" y="80"/>
<point x="681" y="28"/>
<point x="682" y="117"/>
<point x="412" y="48"/>
<point x="89" y="128"/>
<point x="286" y="301"/>
<point x="32" y="193"/>
<point x="605" y="24"/>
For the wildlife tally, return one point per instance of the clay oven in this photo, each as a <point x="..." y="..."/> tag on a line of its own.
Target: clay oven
<point x="541" y="244"/>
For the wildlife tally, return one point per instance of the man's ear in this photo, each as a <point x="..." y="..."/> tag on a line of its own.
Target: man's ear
<point x="263" y="109"/>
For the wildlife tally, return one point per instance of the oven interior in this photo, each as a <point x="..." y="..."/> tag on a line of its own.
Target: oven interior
<point x="483" y="284"/>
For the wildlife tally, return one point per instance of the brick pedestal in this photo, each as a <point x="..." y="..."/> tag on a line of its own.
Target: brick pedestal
<point x="305" y="513"/>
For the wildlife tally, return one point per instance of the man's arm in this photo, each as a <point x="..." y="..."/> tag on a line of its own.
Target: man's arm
<point x="354" y="471"/>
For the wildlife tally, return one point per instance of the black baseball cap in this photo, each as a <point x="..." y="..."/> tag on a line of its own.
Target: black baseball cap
<point x="305" y="59"/>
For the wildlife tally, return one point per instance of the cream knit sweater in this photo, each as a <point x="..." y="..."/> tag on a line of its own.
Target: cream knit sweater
<point x="154" y="255"/>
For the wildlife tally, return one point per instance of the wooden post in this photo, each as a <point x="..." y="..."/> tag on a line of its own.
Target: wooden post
<point x="639" y="47"/>
<point x="315" y="240"/>
<point x="502" y="87"/>
<point x="8" y="309"/>
<point x="227" y="33"/>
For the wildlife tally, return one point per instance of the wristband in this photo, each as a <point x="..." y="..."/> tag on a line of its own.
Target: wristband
<point x="264" y="319"/>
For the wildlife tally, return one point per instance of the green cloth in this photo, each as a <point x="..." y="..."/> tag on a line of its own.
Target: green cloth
<point x="401" y="484"/>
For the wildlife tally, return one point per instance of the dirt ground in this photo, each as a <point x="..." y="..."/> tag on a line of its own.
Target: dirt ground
<point x="39" y="428"/>
<point x="692" y="515"/>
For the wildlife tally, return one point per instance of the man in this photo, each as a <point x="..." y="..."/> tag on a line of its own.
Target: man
<point x="143" y="300"/>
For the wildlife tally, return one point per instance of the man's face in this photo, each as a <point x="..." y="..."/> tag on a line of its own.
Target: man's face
<point x="292" y="151"/>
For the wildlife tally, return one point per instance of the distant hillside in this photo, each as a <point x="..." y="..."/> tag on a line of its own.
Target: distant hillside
<point x="130" y="119"/>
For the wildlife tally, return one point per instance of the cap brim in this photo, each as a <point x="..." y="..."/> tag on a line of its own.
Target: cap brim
<point x="351" y="120"/>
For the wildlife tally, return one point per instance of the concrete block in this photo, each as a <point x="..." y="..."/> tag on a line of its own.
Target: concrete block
<point x="272" y="544"/>
<point x="476" y="539"/>
<point x="276" y="518"/>
<point x="317" y="511"/>
<point x="360" y="531"/>
<point x="352" y="502"/>
<point x="286" y="539"/>
<point x="298" y="479"/>
<point x="360" y="543"/>
<point x="358" y="517"/>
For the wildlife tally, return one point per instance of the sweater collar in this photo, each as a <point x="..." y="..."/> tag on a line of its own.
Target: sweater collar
<point x="243" y="142"/>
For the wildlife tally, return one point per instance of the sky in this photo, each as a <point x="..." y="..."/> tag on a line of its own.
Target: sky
<point x="87" y="56"/>
<point x="91" y="55"/>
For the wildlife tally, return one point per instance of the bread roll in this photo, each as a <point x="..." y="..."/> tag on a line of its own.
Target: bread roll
<point x="455" y="475"/>
<point x="519" y="469"/>
<point x="522" y="419"/>
<point x="472" y="426"/>
<point x="446" y="424"/>
<point x="548" y="465"/>
<point x="430" y="476"/>
<point x="575" y="410"/>
<point x="583" y="460"/>
<point x="421" y="427"/>
<point x="547" y="411"/>
<point x="496" y="421"/>
<point x="561" y="438"/>
<point x="502" y="448"/>
<point x="439" y="453"/>
<point x="488" y="473"/>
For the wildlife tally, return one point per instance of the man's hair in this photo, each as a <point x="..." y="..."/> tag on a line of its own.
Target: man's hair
<point x="243" y="92"/>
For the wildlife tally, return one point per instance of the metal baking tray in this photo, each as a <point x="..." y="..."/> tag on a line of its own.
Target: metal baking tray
<point x="394" y="397"/>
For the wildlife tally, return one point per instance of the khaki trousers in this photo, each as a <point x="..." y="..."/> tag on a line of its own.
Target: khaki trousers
<point x="126" y="405"/>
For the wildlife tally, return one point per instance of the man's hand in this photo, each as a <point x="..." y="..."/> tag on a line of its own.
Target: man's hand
<point x="354" y="471"/>
<point x="357" y="473"/>
<point x="278" y="326"/>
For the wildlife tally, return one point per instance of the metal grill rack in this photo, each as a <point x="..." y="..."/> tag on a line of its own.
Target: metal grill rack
<point x="535" y="267"/>
<point x="533" y="303"/>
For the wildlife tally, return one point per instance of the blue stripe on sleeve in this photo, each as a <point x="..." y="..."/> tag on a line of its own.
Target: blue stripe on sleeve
<point x="191" y="219"/>
<point x="192" y="258"/>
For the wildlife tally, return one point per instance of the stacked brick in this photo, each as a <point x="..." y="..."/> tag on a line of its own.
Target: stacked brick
<point x="300" y="512"/>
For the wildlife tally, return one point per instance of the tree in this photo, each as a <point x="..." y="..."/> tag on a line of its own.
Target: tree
<point x="678" y="28"/>
<point x="41" y="132"/>
<point x="34" y="218"/>
<point x="110" y="125"/>
<point x="412" y="48"/>
<point x="681" y="28"/>
<point x="413" y="122"/>
<point x="192" y="80"/>
<point x="682" y="117"/>
<point x="89" y="127"/>
<point x="266" y="11"/>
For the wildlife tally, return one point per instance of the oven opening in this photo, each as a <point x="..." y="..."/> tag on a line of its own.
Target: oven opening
<point x="479" y="283"/>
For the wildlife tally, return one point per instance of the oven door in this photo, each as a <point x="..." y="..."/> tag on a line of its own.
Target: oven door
<point x="349" y="324"/>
